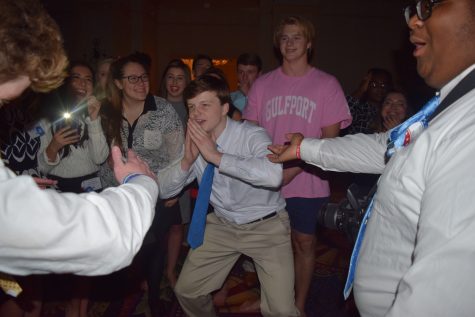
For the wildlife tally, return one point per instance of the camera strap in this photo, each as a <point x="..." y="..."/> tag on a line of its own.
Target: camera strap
<point x="356" y="250"/>
<point x="403" y="134"/>
<point x="462" y="88"/>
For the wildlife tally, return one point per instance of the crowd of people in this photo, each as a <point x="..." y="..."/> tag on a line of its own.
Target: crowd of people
<point x="99" y="174"/>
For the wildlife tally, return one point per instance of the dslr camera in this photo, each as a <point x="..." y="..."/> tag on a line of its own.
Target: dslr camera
<point x="346" y="216"/>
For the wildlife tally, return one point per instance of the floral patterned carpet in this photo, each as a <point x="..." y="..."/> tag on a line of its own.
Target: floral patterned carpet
<point x="109" y="297"/>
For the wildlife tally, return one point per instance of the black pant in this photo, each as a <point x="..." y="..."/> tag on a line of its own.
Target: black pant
<point x="153" y="252"/>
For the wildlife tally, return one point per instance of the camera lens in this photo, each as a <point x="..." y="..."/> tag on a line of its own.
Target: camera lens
<point x="328" y="216"/>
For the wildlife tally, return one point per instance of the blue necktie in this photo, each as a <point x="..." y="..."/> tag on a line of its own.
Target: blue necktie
<point x="198" y="221"/>
<point x="399" y="137"/>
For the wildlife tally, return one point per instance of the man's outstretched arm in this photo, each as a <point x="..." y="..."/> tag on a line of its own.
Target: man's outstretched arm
<point x="43" y="231"/>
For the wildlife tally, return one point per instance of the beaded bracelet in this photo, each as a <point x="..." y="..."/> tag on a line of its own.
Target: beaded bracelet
<point x="297" y="151"/>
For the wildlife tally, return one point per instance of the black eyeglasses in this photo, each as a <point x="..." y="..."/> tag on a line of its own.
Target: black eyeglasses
<point x="423" y="9"/>
<point x="133" y="79"/>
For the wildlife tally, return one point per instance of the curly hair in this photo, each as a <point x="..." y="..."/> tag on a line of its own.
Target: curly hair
<point x="31" y="45"/>
<point x="111" y="110"/>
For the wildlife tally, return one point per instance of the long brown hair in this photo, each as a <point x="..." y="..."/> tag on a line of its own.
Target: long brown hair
<point x="174" y="63"/>
<point x="111" y="110"/>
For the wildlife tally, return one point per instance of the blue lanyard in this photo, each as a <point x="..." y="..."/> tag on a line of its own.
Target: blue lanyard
<point x="399" y="137"/>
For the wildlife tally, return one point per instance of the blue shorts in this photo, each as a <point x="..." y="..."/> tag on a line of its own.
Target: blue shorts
<point x="303" y="213"/>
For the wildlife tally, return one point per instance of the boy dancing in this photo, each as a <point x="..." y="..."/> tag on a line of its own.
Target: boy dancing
<point x="249" y="213"/>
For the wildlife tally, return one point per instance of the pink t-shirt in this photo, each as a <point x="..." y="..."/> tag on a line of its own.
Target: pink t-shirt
<point x="283" y="104"/>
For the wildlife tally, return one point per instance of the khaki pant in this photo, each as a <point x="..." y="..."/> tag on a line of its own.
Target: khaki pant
<point x="267" y="242"/>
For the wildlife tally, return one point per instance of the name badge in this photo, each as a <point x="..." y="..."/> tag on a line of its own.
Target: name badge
<point x="36" y="132"/>
<point x="413" y="132"/>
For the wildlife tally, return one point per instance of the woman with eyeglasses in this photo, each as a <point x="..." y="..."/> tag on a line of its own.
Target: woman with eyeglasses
<point x="390" y="113"/>
<point x="152" y="128"/>
<point x="393" y="111"/>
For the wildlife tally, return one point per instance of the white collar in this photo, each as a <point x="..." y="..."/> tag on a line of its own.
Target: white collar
<point x="444" y="91"/>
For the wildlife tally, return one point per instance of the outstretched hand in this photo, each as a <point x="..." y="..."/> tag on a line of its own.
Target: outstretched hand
<point x="134" y="165"/>
<point x="285" y="152"/>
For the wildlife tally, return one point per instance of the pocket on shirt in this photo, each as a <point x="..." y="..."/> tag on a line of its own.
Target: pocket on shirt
<point x="152" y="139"/>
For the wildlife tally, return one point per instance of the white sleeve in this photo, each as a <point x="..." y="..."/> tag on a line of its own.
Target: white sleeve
<point x="97" y="144"/>
<point x="42" y="231"/>
<point x="358" y="153"/>
<point x="44" y="164"/>
<point x="255" y="169"/>
<point x="172" y="179"/>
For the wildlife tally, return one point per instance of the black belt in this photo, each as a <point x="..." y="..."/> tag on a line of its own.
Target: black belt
<point x="272" y="214"/>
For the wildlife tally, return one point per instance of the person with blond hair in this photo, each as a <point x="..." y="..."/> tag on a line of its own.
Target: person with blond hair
<point x="299" y="97"/>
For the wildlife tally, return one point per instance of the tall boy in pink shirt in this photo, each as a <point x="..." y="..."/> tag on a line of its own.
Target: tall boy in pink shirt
<point x="297" y="97"/>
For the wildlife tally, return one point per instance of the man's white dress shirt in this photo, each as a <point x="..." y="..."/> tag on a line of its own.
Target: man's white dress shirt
<point x="42" y="231"/>
<point x="418" y="253"/>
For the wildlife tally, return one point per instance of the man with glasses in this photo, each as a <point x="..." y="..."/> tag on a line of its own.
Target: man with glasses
<point x="366" y="100"/>
<point x="418" y="253"/>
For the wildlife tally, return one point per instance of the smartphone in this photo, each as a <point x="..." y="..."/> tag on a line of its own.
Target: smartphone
<point x="71" y="123"/>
